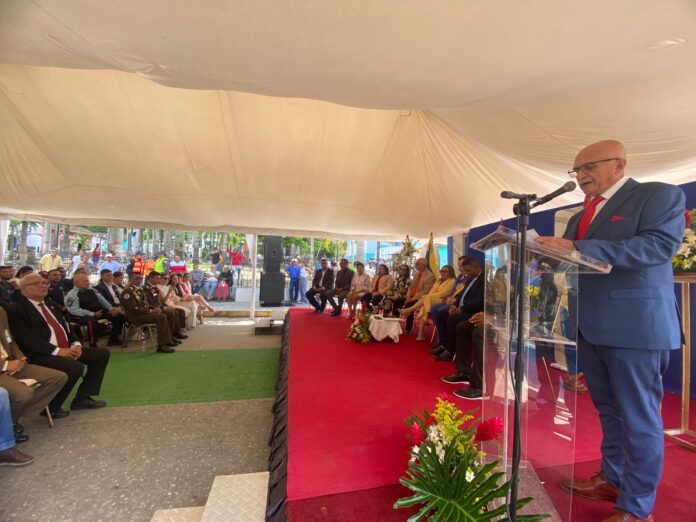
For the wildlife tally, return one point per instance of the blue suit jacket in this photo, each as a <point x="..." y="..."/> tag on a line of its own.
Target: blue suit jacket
<point x="638" y="231"/>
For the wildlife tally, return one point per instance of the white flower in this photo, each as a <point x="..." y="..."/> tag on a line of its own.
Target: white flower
<point x="469" y="476"/>
<point x="414" y="452"/>
<point x="440" y="451"/>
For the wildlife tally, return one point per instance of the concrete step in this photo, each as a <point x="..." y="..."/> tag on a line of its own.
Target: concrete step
<point x="238" y="498"/>
<point x="189" y="514"/>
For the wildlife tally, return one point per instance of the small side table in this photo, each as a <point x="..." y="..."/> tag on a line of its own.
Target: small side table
<point x="382" y="328"/>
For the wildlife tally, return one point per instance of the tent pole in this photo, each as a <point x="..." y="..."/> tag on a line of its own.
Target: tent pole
<point x="252" y="308"/>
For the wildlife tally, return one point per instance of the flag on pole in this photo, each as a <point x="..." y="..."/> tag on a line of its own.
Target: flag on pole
<point x="432" y="257"/>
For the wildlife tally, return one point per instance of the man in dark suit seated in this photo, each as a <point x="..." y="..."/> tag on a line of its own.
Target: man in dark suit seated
<point x="322" y="284"/>
<point x="343" y="279"/>
<point x="469" y="301"/>
<point x="46" y="339"/>
<point x="469" y="360"/>
<point x="87" y="306"/>
<point x="107" y="288"/>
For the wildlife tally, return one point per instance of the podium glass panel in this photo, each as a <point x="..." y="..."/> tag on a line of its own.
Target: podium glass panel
<point x="548" y="401"/>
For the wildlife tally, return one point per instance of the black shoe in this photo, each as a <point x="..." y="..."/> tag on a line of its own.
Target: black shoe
<point x="458" y="378"/>
<point x="335" y="313"/>
<point x="87" y="403"/>
<point x="175" y="342"/>
<point x="317" y="310"/>
<point x="444" y="356"/>
<point x="321" y="309"/>
<point x="165" y="349"/>
<point x="436" y="350"/>
<point x="58" y="414"/>
<point x="18" y="428"/>
<point x="472" y="394"/>
<point x="20" y="437"/>
<point x="114" y="342"/>
<point x="180" y="336"/>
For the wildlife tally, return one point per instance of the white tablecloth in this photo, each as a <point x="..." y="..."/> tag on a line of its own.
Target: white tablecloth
<point x="381" y="328"/>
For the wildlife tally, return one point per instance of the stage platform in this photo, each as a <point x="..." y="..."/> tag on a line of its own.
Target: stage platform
<point x="339" y="443"/>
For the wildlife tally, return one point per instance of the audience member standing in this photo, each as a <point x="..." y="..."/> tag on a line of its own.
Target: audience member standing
<point x="293" y="270"/>
<point x="50" y="261"/>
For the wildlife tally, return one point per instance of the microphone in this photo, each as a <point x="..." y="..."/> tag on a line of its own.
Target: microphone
<point x="506" y="194"/>
<point x="568" y="187"/>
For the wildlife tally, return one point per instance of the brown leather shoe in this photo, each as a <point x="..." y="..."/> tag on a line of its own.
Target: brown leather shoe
<point x="622" y="516"/>
<point x="595" y="488"/>
<point x="14" y="457"/>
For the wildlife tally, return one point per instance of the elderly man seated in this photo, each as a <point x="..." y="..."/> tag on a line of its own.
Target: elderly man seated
<point x="87" y="306"/>
<point x="31" y="387"/>
<point x="41" y="332"/>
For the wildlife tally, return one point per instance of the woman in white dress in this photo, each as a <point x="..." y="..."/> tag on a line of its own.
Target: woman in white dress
<point x="171" y="298"/>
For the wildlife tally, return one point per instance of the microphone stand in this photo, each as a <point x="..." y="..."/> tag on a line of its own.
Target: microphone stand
<point x="522" y="210"/>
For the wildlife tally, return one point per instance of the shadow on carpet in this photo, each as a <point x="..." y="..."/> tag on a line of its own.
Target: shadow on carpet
<point x="141" y="378"/>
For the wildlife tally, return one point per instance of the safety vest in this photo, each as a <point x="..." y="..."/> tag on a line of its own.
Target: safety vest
<point x="138" y="265"/>
<point x="149" y="266"/>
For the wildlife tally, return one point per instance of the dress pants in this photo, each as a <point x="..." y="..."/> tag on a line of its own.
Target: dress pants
<point x="440" y="313"/>
<point x="311" y="297"/>
<point x="93" y="326"/>
<point x="95" y="359"/>
<point x="340" y="294"/>
<point x="7" y="439"/>
<point x="164" y="335"/>
<point x="469" y="352"/>
<point x="173" y="321"/>
<point x="451" y="323"/>
<point x="27" y="400"/>
<point x="626" y="388"/>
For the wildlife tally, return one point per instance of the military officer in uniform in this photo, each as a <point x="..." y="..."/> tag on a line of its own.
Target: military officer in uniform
<point x="175" y="316"/>
<point x="139" y="311"/>
<point x="87" y="306"/>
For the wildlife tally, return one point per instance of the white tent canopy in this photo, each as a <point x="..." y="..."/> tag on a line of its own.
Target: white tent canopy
<point x="331" y="117"/>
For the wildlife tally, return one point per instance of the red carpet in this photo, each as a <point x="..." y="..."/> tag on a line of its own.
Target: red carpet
<point x="347" y="444"/>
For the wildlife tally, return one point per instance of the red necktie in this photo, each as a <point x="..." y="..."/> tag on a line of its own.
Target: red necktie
<point x="587" y="216"/>
<point x="61" y="338"/>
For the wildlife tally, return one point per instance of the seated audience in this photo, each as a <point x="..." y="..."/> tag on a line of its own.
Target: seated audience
<point x="139" y="311"/>
<point x="460" y="284"/>
<point x="8" y="284"/>
<point x="55" y="288"/>
<point x="398" y="291"/>
<point x="118" y="281"/>
<point x="185" y="288"/>
<point x="421" y="284"/>
<point x="108" y="289"/>
<point x="439" y="291"/>
<point x="381" y="284"/>
<point x="87" y="306"/>
<point x="359" y="286"/>
<point x="197" y="278"/>
<point x="344" y="277"/>
<point x="176" y="318"/>
<point x="25" y="397"/>
<point x="224" y="283"/>
<point x="210" y="282"/>
<point x="46" y="339"/>
<point x="469" y="359"/>
<point x="468" y="302"/>
<point x="169" y="292"/>
<point x="321" y="284"/>
<point x="9" y="454"/>
<point x="26" y="269"/>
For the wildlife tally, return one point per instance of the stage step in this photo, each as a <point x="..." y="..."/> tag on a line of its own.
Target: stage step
<point x="189" y="514"/>
<point x="239" y="498"/>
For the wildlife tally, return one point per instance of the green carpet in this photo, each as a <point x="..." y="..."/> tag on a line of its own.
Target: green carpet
<point x="139" y="378"/>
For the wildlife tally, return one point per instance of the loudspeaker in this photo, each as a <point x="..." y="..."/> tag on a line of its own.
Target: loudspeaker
<point x="272" y="289"/>
<point x="272" y="253"/>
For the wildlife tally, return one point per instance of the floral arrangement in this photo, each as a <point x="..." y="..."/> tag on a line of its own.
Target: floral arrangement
<point x="447" y="473"/>
<point x="407" y="252"/>
<point x="685" y="258"/>
<point x="359" y="331"/>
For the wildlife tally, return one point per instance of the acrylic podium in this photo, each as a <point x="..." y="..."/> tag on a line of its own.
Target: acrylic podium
<point x="549" y="396"/>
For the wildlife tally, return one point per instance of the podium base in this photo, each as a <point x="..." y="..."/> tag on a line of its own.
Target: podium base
<point x="531" y="486"/>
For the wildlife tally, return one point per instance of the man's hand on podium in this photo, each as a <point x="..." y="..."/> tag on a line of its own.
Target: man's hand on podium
<point x="556" y="242"/>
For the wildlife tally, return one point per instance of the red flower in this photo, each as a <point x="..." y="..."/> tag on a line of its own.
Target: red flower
<point x="417" y="434"/>
<point x="687" y="218"/>
<point x="430" y="420"/>
<point x="444" y="396"/>
<point x="488" y="429"/>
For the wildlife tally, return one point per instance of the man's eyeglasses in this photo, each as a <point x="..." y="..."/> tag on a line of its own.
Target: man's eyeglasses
<point x="588" y="167"/>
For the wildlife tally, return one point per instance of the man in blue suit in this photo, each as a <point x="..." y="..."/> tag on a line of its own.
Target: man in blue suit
<point x="627" y="321"/>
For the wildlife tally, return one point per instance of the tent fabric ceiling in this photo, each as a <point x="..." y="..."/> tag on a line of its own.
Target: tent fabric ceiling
<point x="348" y="119"/>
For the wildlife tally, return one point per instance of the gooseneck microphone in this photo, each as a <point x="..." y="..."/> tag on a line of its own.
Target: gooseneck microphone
<point x="568" y="187"/>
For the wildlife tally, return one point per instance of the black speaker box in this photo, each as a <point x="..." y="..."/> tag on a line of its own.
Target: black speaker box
<point x="272" y="289"/>
<point x="272" y="253"/>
